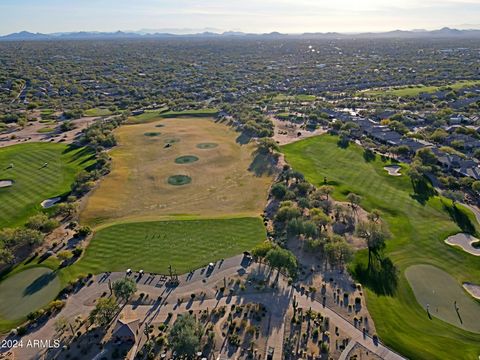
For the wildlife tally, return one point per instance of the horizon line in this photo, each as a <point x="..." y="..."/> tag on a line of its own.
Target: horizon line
<point x="174" y="31"/>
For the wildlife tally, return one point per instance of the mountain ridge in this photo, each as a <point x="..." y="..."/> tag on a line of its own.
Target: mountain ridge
<point x="445" y="32"/>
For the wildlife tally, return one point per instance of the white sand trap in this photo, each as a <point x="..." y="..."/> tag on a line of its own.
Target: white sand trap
<point x="50" y="202"/>
<point x="5" y="183"/>
<point x="465" y="241"/>
<point x="472" y="289"/>
<point x="393" y="170"/>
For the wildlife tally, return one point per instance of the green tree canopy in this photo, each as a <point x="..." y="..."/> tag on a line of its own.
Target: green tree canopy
<point x="282" y="259"/>
<point x="104" y="311"/>
<point x="184" y="336"/>
<point x="124" y="288"/>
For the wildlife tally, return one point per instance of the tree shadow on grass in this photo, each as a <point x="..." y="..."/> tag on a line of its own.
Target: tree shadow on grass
<point x="243" y="138"/>
<point x="343" y="143"/>
<point x="369" y="155"/>
<point x="460" y="218"/>
<point x="381" y="278"/>
<point x="422" y="191"/>
<point x="70" y="147"/>
<point x="263" y="164"/>
<point x="39" y="283"/>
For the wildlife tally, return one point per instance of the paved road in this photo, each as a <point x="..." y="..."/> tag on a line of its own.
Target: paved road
<point x="277" y="304"/>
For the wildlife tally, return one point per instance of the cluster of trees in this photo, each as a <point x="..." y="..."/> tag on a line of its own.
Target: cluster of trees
<point x="424" y="163"/>
<point x="100" y="133"/>
<point x="185" y="336"/>
<point x="251" y="119"/>
<point x="306" y="213"/>
<point x="277" y="257"/>
<point x="11" y="239"/>
<point x="107" y="308"/>
<point x="31" y="234"/>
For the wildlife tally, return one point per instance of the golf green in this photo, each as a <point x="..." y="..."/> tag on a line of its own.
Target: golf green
<point x="187" y="159"/>
<point x="442" y="293"/>
<point x="207" y="145"/>
<point x="27" y="291"/>
<point x="178" y="180"/>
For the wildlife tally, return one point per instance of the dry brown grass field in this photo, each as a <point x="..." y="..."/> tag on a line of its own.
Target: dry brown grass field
<point x="138" y="189"/>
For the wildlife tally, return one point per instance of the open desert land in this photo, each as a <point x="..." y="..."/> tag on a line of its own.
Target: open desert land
<point x="38" y="131"/>
<point x="420" y="221"/>
<point x="178" y="167"/>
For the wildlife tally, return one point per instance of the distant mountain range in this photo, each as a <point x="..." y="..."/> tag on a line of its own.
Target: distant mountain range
<point x="152" y="34"/>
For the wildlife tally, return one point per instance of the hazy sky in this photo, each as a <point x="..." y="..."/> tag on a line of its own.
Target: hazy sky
<point x="293" y="16"/>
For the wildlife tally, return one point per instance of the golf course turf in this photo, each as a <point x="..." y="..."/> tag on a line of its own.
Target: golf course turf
<point x="419" y="222"/>
<point x="185" y="244"/>
<point x="33" y="181"/>
<point x="442" y="293"/>
<point x="27" y="291"/>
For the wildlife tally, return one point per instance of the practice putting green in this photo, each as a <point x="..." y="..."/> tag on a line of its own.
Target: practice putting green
<point x="152" y="134"/>
<point x="185" y="244"/>
<point x="419" y="222"/>
<point x="178" y="180"/>
<point x="187" y="159"/>
<point x="34" y="182"/>
<point x="27" y="291"/>
<point x="207" y="145"/>
<point x="440" y="291"/>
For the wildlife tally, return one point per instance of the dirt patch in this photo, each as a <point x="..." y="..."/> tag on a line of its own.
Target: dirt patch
<point x="287" y="132"/>
<point x="30" y="133"/>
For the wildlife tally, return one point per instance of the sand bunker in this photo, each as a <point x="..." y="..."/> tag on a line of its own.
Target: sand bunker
<point x="472" y="289"/>
<point x="393" y="170"/>
<point x="465" y="241"/>
<point x="50" y="202"/>
<point x="5" y="183"/>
